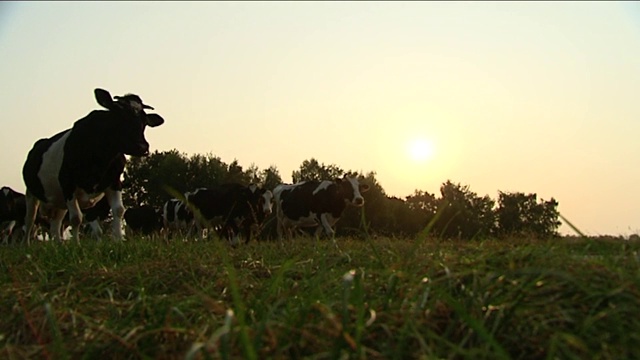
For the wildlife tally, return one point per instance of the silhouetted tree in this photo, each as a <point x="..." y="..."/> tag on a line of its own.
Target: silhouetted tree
<point x="520" y="214"/>
<point x="311" y="170"/>
<point x="204" y="171"/>
<point x="463" y="214"/>
<point x="146" y="177"/>
<point x="270" y="177"/>
<point x="235" y="174"/>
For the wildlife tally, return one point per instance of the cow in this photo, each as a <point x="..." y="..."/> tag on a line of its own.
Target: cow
<point x="318" y="204"/>
<point x="233" y="206"/>
<point x="12" y="211"/>
<point x="12" y="214"/>
<point x="95" y="215"/>
<point x="259" y="207"/>
<point x="77" y="167"/>
<point x="176" y="217"/>
<point x="144" y="219"/>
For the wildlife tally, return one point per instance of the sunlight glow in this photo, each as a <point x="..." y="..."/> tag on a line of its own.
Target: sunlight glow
<point x="421" y="150"/>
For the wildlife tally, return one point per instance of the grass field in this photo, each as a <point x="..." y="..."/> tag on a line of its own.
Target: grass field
<point x="370" y="299"/>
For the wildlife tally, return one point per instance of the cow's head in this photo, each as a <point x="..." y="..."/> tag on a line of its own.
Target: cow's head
<point x="129" y="121"/>
<point x="263" y="198"/>
<point x="8" y="198"/>
<point x="351" y="189"/>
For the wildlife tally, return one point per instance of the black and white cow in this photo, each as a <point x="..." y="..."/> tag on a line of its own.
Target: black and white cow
<point x="177" y="218"/>
<point x="317" y="204"/>
<point x="233" y="206"/>
<point x="144" y="219"/>
<point x="259" y="207"/>
<point x="75" y="168"/>
<point x="12" y="211"/>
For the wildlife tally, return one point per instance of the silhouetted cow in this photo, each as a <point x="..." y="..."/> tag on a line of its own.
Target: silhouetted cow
<point x="233" y="206"/>
<point x="12" y="211"/>
<point x="144" y="219"/>
<point x="75" y="168"/>
<point x="316" y="203"/>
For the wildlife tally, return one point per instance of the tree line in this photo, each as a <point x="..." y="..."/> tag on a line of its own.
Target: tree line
<point x="457" y="212"/>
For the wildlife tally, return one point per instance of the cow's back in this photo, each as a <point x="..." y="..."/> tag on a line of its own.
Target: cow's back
<point x="34" y="163"/>
<point x="300" y="200"/>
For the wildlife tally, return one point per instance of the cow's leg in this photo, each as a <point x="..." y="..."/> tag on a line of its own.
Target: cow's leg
<point x="7" y="231"/>
<point x="326" y="224"/>
<point x="248" y="231"/>
<point x="96" y="229"/>
<point x="75" y="219"/>
<point x="16" y="234"/>
<point x="55" y="224"/>
<point x="32" y="204"/>
<point x="233" y="231"/>
<point x="317" y="232"/>
<point x="114" y="197"/>
<point x="279" y="224"/>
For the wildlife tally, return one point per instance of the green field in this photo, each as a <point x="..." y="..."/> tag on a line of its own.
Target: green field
<point x="371" y="299"/>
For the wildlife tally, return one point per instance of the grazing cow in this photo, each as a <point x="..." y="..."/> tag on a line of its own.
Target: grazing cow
<point x="176" y="217"/>
<point x="75" y="168"/>
<point x="316" y="203"/>
<point x="235" y="206"/>
<point x="143" y="219"/>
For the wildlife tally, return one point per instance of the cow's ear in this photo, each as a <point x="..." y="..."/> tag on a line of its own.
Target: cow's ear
<point x="154" y="120"/>
<point x="103" y="98"/>
<point x="364" y="188"/>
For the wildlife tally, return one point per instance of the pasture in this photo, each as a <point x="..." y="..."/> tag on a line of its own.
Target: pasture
<point x="378" y="298"/>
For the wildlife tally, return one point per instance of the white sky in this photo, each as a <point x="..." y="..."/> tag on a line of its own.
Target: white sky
<point x="531" y="96"/>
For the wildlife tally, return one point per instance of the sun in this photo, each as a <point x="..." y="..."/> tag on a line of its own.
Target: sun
<point x="421" y="150"/>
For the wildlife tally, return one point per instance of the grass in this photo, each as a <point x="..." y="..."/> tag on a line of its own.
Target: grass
<point x="377" y="299"/>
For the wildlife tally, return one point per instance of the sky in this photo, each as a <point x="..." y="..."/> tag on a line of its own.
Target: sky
<point x="532" y="97"/>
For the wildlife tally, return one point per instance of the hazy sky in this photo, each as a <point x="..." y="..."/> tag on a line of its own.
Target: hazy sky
<point x="534" y="97"/>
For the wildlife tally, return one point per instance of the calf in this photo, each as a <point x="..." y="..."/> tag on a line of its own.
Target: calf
<point x="317" y="204"/>
<point x="144" y="219"/>
<point x="234" y="205"/>
<point x="77" y="167"/>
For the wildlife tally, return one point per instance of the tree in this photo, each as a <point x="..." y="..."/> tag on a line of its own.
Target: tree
<point x="311" y="170"/>
<point x="522" y="214"/>
<point x="270" y="177"/>
<point x="235" y="174"/>
<point x="146" y="177"/>
<point x="463" y="214"/>
<point x="204" y="171"/>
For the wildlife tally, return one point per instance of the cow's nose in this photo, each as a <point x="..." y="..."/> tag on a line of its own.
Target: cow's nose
<point x="358" y="201"/>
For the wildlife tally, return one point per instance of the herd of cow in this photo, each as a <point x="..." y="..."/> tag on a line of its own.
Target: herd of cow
<point x="75" y="177"/>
